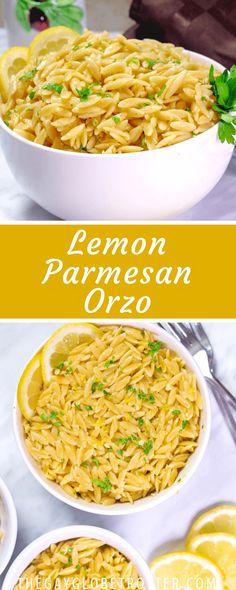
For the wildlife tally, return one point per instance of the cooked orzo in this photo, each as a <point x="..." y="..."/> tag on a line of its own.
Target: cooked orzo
<point x="119" y="420"/>
<point x="111" y="95"/>
<point x="80" y="563"/>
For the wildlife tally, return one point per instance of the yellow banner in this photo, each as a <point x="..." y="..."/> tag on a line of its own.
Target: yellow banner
<point x="118" y="271"/>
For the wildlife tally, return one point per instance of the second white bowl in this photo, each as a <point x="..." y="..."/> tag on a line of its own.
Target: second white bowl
<point x="8" y="524"/>
<point x="73" y="532"/>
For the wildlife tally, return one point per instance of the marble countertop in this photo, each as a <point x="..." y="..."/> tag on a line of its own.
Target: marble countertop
<point x="219" y="204"/>
<point x="38" y="512"/>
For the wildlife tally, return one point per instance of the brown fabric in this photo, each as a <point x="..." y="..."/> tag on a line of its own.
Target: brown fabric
<point x="205" y="26"/>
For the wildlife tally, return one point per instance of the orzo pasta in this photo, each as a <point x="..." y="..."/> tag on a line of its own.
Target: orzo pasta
<point x="80" y="563"/>
<point x="119" y="420"/>
<point x="111" y="95"/>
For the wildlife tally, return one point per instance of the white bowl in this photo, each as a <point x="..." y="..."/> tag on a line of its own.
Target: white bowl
<point x="149" y="501"/>
<point x="155" y="184"/>
<point x="8" y="525"/>
<point x="72" y="532"/>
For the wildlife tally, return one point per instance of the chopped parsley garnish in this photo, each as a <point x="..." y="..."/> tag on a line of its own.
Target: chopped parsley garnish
<point x="54" y="87"/>
<point x="88" y="45"/>
<point x="78" y="406"/>
<point x="69" y="371"/>
<point x="124" y="441"/>
<point x="147" y="447"/>
<point x="116" y="120"/>
<point x="104" y="94"/>
<point x="97" y="385"/>
<point x="32" y="94"/>
<point x="53" y="415"/>
<point x="153" y="348"/>
<point x="28" y="75"/>
<point x="152" y="62"/>
<point x="96" y="461"/>
<point x="107" y="393"/>
<point x="163" y="87"/>
<point x="84" y="93"/>
<point x="60" y="366"/>
<point x="110" y="362"/>
<point x="224" y="90"/>
<point x="140" y="421"/>
<point x="176" y="412"/>
<point x="88" y="408"/>
<point x="105" y="485"/>
<point x="188" y="109"/>
<point x="184" y="424"/>
<point x="84" y="464"/>
<point x="135" y="60"/>
<point x="44" y="417"/>
<point x="203" y="98"/>
<point x="131" y="389"/>
<point x="143" y="141"/>
<point x="6" y="123"/>
<point x="158" y="369"/>
<point x="120" y="452"/>
<point x="78" y="566"/>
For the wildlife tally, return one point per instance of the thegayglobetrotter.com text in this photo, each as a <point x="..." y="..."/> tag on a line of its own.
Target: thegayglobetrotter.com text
<point x="163" y="583"/>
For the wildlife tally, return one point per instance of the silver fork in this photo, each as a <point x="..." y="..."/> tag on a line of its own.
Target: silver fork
<point x="197" y="342"/>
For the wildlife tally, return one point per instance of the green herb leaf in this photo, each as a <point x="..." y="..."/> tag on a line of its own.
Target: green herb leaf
<point x="84" y="93"/>
<point x="176" y="412"/>
<point x="153" y="348"/>
<point x="53" y="87"/>
<point x="110" y="362"/>
<point x="32" y="94"/>
<point x="224" y="90"/>
<point x="147" y="447"/>
<point x="163" y="87"/>
<point x="88" y="408"/>
<point x="44" y="417"/>
<point x="96" y="461"/>
<point x="28" y="75"/>
<point x="152" y="62"/>
<point x="184" y="424"/>
<point x="97" y="385"/>
<point x="105" y="485"/>
<point x="140" y="421"/>
<point x="116" y="120"/>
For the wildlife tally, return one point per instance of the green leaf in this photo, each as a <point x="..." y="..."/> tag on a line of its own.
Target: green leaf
<point x="22" y="15"/>
<point x="224" y="90"/>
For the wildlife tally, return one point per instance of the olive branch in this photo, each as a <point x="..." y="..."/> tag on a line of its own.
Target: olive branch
<point x="58" y="12"/>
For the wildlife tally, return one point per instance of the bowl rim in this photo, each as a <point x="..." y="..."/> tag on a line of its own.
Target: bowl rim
<point x="118" y="509"/>
<point x="41" y="543"/>
<point x="11" y="535"/>
<point x="75" y="154"/>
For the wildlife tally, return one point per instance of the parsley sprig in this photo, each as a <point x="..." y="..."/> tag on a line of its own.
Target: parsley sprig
<point x="224" y="90"/>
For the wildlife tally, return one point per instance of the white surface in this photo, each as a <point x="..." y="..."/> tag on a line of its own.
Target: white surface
<point x="220" y="203"/>
<point x="8" y="525"/>
<point x="38" y="512"/>
<point x="149" y="501"/>
<point x="74" y="532"/>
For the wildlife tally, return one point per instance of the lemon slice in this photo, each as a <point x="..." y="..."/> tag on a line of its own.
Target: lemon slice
<point x="50" y="40"/>
<point x="12" y="62"/>
<point x="220" y="548"/>
<point x="30" y="386"/>
<point x="62" y="342"/>
<point x="184" y="570"/>
<point x="220" y="519"/>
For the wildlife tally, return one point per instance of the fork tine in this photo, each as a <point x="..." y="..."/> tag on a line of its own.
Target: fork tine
<point x="172" y="328"/>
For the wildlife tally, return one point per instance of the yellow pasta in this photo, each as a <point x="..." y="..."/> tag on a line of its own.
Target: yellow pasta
<point x="80" y="563"/>
<point x="111" y="95"/>
<point x="119" y="420"/>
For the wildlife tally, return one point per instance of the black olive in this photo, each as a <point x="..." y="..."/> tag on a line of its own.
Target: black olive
<point x="38" y="19"/>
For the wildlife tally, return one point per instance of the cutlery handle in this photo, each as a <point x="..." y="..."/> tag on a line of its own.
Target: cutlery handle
<point x="224" y="405"/>
<point x="225" y="391"/>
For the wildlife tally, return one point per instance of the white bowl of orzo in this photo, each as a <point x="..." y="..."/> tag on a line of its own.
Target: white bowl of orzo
<point x="118" y="420"/>
<point x="79" y="557"/>
<point x="110" y="128"/>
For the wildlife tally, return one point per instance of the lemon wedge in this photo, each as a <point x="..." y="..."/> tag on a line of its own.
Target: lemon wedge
<point x="220" y="519"/>
<point x="30" y="386"/>
<point x="62" y="342"/>
<point x="12" y="62"/>
<point x="220" y="548"/>
<point x="184" y="570"/>
<point x="50" y="40"/>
